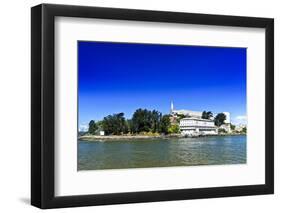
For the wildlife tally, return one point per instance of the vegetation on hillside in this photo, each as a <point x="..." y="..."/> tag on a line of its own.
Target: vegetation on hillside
<point x="149" y="122"/>
<point x="143" y="121"/>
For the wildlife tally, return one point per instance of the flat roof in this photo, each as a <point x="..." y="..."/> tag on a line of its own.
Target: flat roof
<point x="199" y="119"/>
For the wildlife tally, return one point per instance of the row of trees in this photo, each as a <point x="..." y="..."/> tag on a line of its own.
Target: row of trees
<point x="143" y="120"/>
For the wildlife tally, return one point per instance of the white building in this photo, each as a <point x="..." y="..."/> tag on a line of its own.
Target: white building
<point x="197" y="126"/>
<point x="194" y="124"/>
<point x="240" y="127"/>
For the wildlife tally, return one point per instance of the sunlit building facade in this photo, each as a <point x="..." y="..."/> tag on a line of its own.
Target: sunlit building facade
<point x="197" y="126"/>
<point x="193" y="124"/>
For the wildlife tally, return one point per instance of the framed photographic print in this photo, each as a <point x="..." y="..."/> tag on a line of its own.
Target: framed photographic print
<point x="138" y="106"/>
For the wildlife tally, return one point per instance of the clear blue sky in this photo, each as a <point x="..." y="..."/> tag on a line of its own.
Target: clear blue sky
<point x="122" y="77"/>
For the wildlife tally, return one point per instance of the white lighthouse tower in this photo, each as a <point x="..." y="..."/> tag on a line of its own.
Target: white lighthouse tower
<point x="172" y="107"/>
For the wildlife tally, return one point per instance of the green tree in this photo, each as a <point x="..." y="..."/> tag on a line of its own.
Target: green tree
<point x="179" y="117"/>
<point x="115" y="124"/>
<point x="155" y="121"/>
<point x="140" y="121"/>
<point x="174" y="128"/>
<point x="125" y="129"/>
<point x="219" y="119"/>
<point x="222" y="131"/>
<point x="129" y="124"/>
<point x="244" y="130"/>
<point x="164" y="124"/>
<point x="99" y="124"/>
<point x="207" y="115"/>
<point x="232" y="127"/>
<point x="144" y="120"/>
<point x="92" y="127"/>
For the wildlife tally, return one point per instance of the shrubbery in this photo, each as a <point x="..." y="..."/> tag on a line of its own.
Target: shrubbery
<point x="142" y="121"/>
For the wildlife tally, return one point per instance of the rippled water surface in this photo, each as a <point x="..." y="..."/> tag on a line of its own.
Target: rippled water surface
<point x="161" y="152"/>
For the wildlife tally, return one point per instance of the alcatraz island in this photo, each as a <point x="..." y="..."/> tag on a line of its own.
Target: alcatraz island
<point x="153" y="124"/>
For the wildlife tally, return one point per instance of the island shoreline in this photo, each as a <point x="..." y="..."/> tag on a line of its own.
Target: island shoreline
<point x="143" y="137"/>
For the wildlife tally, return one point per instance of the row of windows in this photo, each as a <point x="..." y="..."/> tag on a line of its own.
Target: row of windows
<point x="197" y="123"/>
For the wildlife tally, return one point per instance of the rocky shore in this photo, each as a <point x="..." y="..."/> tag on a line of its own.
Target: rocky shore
<point x="122" y="137"/>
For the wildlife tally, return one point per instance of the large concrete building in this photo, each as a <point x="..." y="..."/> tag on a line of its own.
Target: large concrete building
<point x="197" y="126"/>
<point x="193" y="124"/>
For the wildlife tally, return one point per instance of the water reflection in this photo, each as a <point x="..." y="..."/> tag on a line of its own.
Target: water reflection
<point x="161" y="152"/>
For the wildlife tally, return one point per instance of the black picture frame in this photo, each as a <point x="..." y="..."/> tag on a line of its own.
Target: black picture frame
<point x="43" y="110"/>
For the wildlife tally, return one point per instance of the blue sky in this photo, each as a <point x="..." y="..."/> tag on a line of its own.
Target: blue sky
<point x="122" y="77"/>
